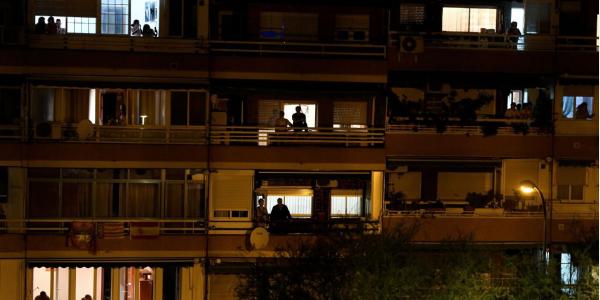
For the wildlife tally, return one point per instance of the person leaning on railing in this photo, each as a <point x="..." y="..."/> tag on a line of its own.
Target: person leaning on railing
<point x="513" y="34"/>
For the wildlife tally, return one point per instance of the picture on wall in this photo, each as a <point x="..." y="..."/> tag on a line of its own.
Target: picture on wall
<point x="150" y="11"/>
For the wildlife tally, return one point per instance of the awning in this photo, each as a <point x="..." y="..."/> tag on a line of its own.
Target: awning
<point x="111" y="263"/>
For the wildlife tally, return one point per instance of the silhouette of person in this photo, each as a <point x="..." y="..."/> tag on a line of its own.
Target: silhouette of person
<point x="582" y="112"/>
<point x="51" y="28"/>
<point x="40" y="26"/>
<point x="147" y="31"/>
<point x="513" y="33"/>
<point x="299" y="120"/>
<point x="42" y="296"/>
<point x="280" y="212"/>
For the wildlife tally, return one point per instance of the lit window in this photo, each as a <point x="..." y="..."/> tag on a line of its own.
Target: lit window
<point x="346" y="204"/>
<point x="464" y="19"/>
<point x="309" y="110"/>
<point x="568" y="273"/>
<point x="577" y="107"/>
<point x="300" y="205"/>
<point x="115" y="16"/>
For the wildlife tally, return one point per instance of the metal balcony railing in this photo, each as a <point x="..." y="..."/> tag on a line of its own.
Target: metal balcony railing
<point x="64" y="225"/>
<point x="11" y="132"/>
<point x="493" y="41"/>
<point x="299" y="48"/>
<point x="136" y="134"/>
<point x="116" y="43"/>
<point x="269" y="136"/>
<point x="421" y="125"/>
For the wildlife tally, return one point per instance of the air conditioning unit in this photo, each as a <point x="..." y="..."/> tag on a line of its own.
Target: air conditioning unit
<point x="48" y="130"/>
<point x="411" y="44"/>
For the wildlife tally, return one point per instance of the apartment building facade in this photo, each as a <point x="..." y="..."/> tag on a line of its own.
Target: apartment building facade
<point x="131" y="166"/>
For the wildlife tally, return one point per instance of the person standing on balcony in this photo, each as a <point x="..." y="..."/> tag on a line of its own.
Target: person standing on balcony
<point x="40" y="26"/>
<point x="136" y="28"/>
<point x="512" y="112"/>
<point x="262" y="215"/>
<point x="51" y="28"/>
<point x="282" y="123"/>
<point x="280" y="215"/>
<point x="299" y="119"/>
<point x="513" y="33"/>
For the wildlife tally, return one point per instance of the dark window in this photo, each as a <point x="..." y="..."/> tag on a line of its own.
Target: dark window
<point x="10" y="106"/>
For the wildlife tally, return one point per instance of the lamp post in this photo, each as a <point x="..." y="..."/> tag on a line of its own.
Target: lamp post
<point x="527" y="187"/>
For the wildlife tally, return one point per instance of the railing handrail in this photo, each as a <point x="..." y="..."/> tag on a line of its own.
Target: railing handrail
<point x="287" y="43"/>
<point x="105" y="220"/>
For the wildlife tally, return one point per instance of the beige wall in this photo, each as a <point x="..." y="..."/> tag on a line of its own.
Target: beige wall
<point x="12" y="279"/>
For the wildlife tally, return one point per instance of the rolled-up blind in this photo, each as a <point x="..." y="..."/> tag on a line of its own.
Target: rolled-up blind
<point x="268" y="111"/>
<point x="350" y="112"/>
<point x="571" y="175"/>
<point x="70" y="8"/>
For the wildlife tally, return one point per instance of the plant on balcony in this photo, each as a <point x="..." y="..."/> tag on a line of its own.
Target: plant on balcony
<point x="397" y="201"/>
<point x="483" y="200"/>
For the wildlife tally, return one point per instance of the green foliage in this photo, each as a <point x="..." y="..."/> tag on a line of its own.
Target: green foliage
<point x="388" y="266"/>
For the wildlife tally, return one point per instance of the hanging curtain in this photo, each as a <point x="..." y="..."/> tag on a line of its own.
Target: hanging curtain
<point x="150" y="105"/>
<point x="143" y="200"/>
<point x="174" y="206"/>
<point x="76" y="199"/>
<point x="567" y="107"/>
<point x="76" y="106"/>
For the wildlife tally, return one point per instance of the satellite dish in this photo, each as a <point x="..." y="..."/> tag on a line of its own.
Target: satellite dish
<point x="259" y="238"/>
<point x="85" y="129"/>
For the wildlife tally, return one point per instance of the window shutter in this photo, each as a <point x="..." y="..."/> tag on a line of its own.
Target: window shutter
<point x="50" y="8"/>
<point x="571" y="176"/>
<point x="412" y="13"/>
<point x="82" y="8"/>
<point x="268" y="111"/>
<point x="231" y="190"/>
<point x="347" y="112"/>
<point x="66" y="8"/>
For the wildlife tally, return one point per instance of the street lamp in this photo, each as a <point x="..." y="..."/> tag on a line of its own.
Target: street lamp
<point x="528" y="187"/>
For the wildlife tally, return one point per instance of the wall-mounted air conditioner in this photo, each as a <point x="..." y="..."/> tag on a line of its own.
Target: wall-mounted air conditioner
<point x="411" y="44"/>
<point x="48" y="130"/>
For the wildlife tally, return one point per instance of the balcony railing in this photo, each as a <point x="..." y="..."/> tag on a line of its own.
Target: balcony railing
<point x="116" y="43"/>
<point x="298" y="48"/>
<point x="122" y="230"/>
<point x="483" y="41"/>
<point x="269" y="136"/>
<point x="11" y="132"/>
<point x="421" y="125"/>
<point x="135" y="134"/>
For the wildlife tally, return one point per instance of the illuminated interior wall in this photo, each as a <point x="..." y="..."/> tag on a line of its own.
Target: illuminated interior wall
<point x="456" y="185"/>
<point x="408" y="183"/>
<point x="147" y="12"/>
